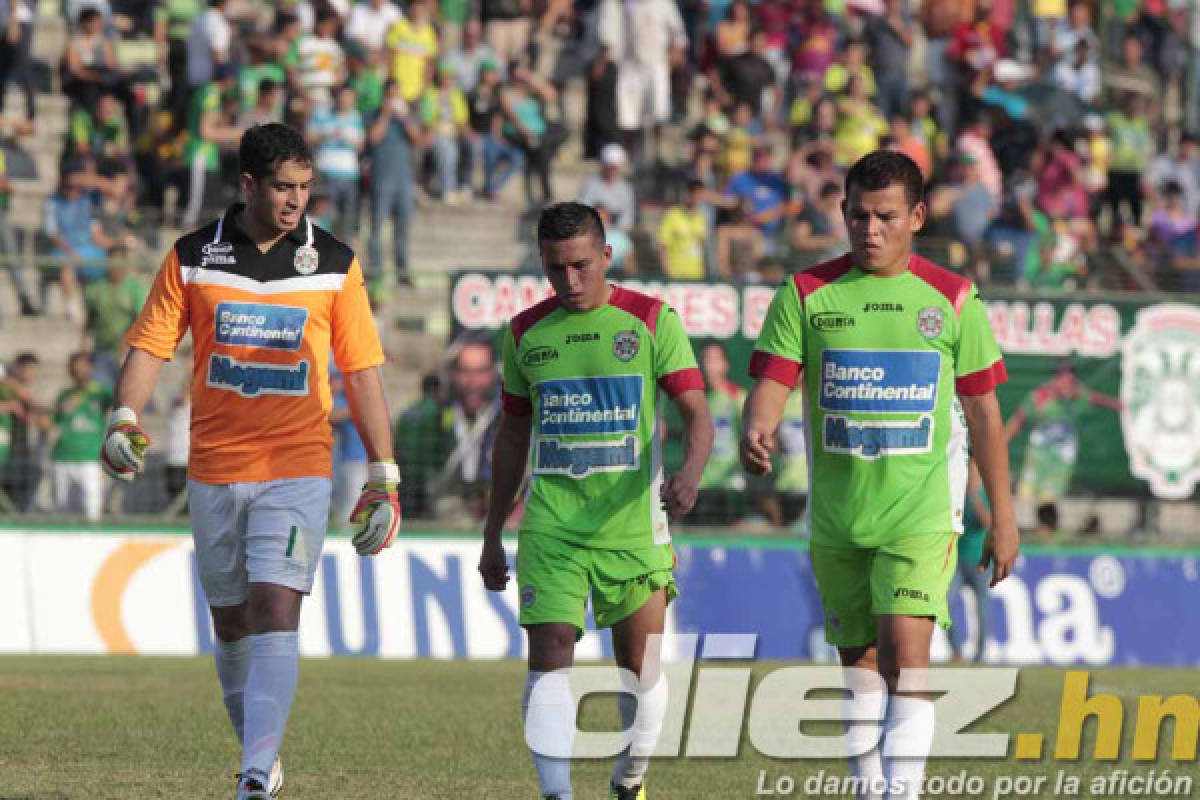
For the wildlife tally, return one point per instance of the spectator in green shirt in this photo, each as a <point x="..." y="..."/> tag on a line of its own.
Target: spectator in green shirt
<point x="366" y="76"/>
<point x="112" y="306"/>
<point x="79" y="417"/>
<point x="420" y="446"/>
<point x="1132" y="148"/>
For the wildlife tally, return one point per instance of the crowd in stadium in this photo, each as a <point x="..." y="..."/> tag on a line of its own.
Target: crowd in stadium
<point x="1057" y="140"/>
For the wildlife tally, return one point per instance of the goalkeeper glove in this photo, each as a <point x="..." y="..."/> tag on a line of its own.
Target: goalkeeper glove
<point x="376" y="516"/>
<point x="123" y="455"/>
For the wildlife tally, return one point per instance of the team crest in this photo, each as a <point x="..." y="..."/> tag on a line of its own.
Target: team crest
<point x="625" y="345"/>
<point x="1160" y="398"/>
<point x="930" y="321"/>
<point x="528" y="597"/>
<point x="306" y="260"/>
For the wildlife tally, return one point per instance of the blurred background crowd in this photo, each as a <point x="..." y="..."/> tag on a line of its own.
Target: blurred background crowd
<point x="1058" y="139"/>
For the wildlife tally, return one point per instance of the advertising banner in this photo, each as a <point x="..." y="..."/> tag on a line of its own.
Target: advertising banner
<point x="1135" y="431"/>
<point x="117" y="593"/>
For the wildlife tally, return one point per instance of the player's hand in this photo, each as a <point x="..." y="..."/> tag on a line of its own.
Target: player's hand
<point x="493" y="565"/>
<point x="123" y="454"/>
<point x="1000" y="549"/>
<point x="376" y="517"/>
<point x="755" y="452"/>
<point x="679" y="493"/>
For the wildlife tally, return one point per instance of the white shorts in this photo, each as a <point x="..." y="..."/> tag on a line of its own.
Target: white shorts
<point x="261" y="532"/>
<point x="82" y="481"/>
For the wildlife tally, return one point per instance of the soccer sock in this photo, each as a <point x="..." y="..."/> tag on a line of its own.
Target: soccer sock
<point x="549" y="716"/>
<point x="270" y="687"/>
<point x="863" y="735"/>
<point x="233" y="664"/>
<point x="908" y="735"/>
<point x="645" y="711"/>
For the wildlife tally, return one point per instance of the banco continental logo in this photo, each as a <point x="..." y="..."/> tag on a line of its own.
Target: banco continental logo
<point x="1160" y="398"/>
<point x="538" y="356"/>
<point x="831" y="321"/>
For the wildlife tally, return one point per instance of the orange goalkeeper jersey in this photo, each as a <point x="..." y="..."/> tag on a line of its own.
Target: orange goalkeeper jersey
<point x="263" y="325"/>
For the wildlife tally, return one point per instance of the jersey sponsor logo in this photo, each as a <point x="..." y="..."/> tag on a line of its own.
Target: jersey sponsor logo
<point x="626" y="345"/>
<point x="555" y="457"/>
<point x="831" y="321"/>
<point x="589" y="406"/>
<point x="537" y="356"/>
<point x="869" y="307"/>
<point x="260" y="325"/>
<point x="217" y="253"/>
<point x="870" y="440"/>
<point x="879" y="381"/>
<point x="582" y="338"/>
<point x="250" y="379"/>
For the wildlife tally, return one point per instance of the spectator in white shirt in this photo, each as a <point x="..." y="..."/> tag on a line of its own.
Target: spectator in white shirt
<point x="1080" y="76"/>
<point x="208" y="42"/>
<point x="370" y="21"/>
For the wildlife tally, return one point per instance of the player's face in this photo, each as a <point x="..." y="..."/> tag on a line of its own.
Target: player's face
<point x="576" y="268"/>
<point x="278" y="200"/>
<point x="881" y="225"/>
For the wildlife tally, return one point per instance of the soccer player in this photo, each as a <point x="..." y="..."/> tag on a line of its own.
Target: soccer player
<point x="267" y="295"/>
<point x="899" y="366"/>
<point x="582" y="372"/>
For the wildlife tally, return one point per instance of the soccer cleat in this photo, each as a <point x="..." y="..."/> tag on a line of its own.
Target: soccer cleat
<point x="621" y="793"/>
<point x="275" y="782"/>
<point x="253" y="786"/>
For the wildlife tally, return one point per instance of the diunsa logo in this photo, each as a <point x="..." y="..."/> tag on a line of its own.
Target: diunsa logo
<point x="1160" y="398"/>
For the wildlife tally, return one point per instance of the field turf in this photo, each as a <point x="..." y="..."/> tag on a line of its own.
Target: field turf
<point x="138" y="727"/>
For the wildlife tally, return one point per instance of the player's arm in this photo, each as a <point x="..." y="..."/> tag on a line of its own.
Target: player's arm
<point x="509" y="456"/>
<point x="775" y="365"/>
<point x="679" y="490"/>
<point x="368" y="408"/>
<point x="760" y="420"/>
<point x="990" y="449"/>
<point x="152" y="340"/>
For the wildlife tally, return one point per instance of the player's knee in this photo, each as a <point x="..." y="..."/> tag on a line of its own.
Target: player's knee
<point x="230" y="623"/>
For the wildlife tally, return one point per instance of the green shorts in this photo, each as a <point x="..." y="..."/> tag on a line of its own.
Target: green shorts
<point x="556" y="577"/>
<point x="908" y="577"/>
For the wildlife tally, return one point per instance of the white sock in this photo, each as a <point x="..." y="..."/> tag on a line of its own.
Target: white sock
<point x="549" y="716"/>
<point x="270" y="687"/>
<point x="908" y="735"/>
<point x="862" y="735"/>
<point x="233" y="664"/>
<point x="644" y="711"/>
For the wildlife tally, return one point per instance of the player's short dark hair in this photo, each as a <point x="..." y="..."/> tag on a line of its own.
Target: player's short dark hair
<point x="884" y="168"/>
<point x="563" y="221"/>
<point x="264" y="147"/>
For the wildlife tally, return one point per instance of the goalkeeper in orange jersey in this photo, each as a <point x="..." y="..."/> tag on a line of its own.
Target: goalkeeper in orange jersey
<point x="267" y="296"/>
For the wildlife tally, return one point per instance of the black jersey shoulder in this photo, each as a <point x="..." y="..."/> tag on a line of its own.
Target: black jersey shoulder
<point x="234" y="253"/>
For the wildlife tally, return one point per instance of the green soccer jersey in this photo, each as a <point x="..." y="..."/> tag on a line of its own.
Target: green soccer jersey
<point x="591" y="379"/>
<point x="883" y="361"/>
<point x="81" y="426"/>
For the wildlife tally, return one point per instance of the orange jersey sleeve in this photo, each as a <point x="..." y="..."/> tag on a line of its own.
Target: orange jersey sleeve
<point x="164" y="318"/>
<point x="354" y="337"/>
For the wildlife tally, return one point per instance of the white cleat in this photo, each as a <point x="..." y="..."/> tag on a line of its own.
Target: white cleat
<point x="275" y="782"/>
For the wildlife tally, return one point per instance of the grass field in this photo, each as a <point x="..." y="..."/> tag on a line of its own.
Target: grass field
<point x="98" y="728"/>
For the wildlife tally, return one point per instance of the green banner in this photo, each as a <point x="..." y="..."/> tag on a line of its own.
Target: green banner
<point x="1131" y="427"/>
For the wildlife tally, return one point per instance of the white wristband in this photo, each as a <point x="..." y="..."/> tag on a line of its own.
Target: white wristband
<point x="121" y="415"/>
<point x="383" y="472"/>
